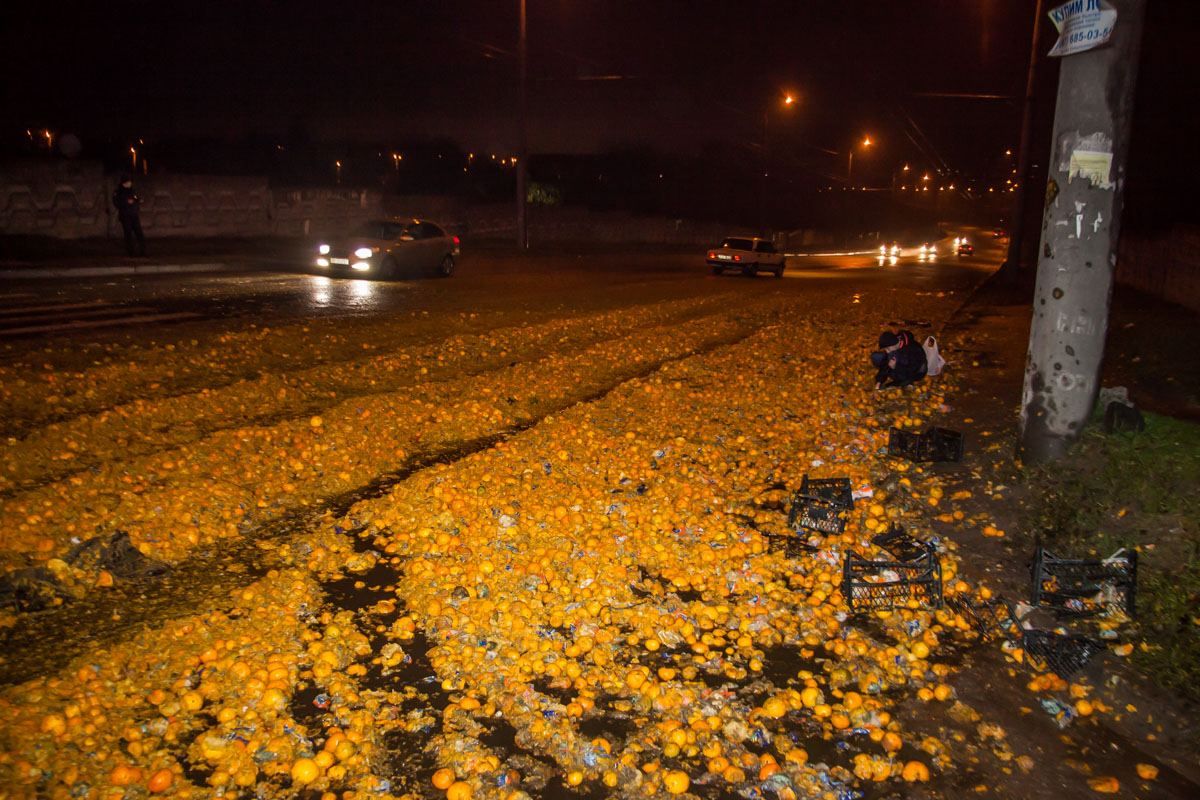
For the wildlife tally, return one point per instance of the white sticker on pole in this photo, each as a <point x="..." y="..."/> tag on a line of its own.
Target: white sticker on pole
<point x="1082" y="25"/>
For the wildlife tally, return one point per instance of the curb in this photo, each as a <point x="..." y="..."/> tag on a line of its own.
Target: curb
<point x="138" y="269"/>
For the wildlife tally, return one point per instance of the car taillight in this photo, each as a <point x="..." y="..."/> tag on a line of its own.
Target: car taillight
<point x="456" y="241"/>
<point x="711" y="254"/>
<point x="737" y="258"/>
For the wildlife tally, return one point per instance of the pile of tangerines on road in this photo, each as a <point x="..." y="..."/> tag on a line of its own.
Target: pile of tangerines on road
<point x="603" y="603"/>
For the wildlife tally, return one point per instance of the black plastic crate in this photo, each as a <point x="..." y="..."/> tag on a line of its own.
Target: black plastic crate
<point x="868" y="584"/>
<point x="791" y="544"/>
<point x="897" y="542"/>
<point x="1085" y="586"/>
<point x="820" y="505"/>
<point x="988" y="618"/>
<point x="935" y="444"/>
<point x="941" y="444"/>
<point x="904" y="444"/>
<point x="1064" y="654"/>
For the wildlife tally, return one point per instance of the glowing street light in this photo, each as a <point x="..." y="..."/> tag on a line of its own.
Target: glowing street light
<point x="866" y="142"/>
<point x="787" y="100"/>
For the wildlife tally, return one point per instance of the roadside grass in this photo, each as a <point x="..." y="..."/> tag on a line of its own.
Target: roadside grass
<point x="1140" y="490"/>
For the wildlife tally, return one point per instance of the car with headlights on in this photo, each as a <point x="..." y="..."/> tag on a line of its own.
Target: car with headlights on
<point x="390" y="248"/>
<point x="750" y="254"/>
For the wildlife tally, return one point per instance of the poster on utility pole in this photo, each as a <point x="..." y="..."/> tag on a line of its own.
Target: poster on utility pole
<point x="1082" y="25"/>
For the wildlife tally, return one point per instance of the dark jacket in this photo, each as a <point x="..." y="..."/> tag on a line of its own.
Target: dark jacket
<point x="126" y="201"/>
<point x="910" y="363"/>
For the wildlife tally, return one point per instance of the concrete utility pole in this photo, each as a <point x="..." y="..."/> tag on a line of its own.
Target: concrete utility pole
<point x="1080" y="228"/>
<point x="1012" y="264"/>
<point x="523" y="145"/>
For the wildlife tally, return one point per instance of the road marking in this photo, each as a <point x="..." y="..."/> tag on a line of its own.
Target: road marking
<point x="100" y="323"/>
<point x="11" y="310"/>
<point x="99" y="312"/>
<point x="826" y="255"/>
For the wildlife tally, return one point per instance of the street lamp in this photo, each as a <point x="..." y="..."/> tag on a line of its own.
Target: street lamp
<point x="786" y="101"/>
<point x="866" y="142"/>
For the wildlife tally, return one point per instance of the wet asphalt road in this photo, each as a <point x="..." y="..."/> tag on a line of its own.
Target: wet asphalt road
<point x="161" y="308"/>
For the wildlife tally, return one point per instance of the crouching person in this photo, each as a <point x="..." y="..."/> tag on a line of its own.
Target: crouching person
<point x="900" y="360"/>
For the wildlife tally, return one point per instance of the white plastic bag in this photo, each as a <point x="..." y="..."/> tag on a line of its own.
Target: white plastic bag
<point x="933" y="359"/>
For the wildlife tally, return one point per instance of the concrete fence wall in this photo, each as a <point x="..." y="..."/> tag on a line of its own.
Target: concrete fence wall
<point x="323" y="212"/>
<point x="190" y="205"/>
<point x="1166" y="264"/>
<point x="64" y="199"/>
<point x="73" y="200"/>
<point x="565" y="225"/>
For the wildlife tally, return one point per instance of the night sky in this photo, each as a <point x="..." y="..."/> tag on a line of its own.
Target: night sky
<point x="672" y="75"/>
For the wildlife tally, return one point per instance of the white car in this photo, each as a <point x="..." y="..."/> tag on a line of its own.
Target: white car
<point x="750" y="254"/>
<point x="390" y="248"/>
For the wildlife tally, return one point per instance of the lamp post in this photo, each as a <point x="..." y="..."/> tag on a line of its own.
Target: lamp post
<point x="866" y="142"/>
<point x="895" y="173"/>
<point x="787" y="101"/>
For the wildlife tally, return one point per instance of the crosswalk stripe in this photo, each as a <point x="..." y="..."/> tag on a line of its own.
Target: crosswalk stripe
<point x="99" y="323"/>
<point x="11" y="310"/>
<point x="98" y="312"/>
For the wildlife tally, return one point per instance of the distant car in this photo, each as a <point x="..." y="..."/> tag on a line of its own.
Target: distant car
<point x="965" y="248"/>
<point x="750" y="254"/>
<point x="999" y="233"/>
<point x="892" y="250"/>
<point x="390" y="248"/>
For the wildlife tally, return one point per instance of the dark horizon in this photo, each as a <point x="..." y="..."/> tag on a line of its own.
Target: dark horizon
<point x="667" y="75"/>
<point x="936" y="84"/>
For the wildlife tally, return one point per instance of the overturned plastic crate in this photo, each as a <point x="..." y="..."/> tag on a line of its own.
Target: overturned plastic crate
<point x="883" y="584"/>
<point x="935" y="444"/>
<point x="820" y="505"/>
<point x="899" y="543"/>
<point x="1064" y="654"/>
<point x="903" y="444"/>
<point x="791" y="544"/>
<point x="988" y="618"/>
<point x="1082" y="586"/>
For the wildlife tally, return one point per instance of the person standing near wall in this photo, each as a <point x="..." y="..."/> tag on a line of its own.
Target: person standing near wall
<point x="128" y="205"/>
